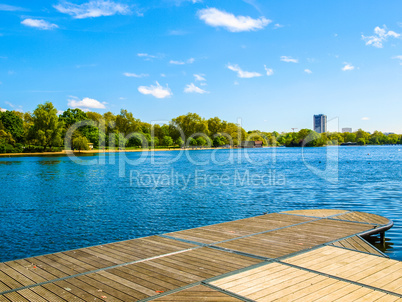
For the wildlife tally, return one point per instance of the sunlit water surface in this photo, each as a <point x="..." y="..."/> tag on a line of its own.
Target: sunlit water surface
<point x="51" y="204"/>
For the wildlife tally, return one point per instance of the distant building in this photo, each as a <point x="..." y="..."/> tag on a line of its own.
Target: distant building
<point x="251" y="144"/>
<point x="346" y="130"/>
<point x="258" y="144"/>
<point x="320" y="123"/>
<point x="3" y="110"/>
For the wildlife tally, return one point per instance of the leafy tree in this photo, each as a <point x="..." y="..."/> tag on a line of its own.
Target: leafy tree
<point x="180" y="142"/>
<point x="80" y="143"/>
<point x="361" y="141"/>
<point x="72" y="116"/>
<point x="94" y="116"/>
<point x="167" y="141"/>
<point x="46" y="128"/>
<point x="190" y="124"/>
<point x="393" y="139"/>
<point x="219" y="141"/>
<point x="215" y="125"/>
<point x="126" y="123"/>
<point x="13" y="123"/>
<point x="201" y="141"/>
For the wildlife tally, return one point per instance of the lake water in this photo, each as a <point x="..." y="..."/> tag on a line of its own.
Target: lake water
<point x="51" y="204"/>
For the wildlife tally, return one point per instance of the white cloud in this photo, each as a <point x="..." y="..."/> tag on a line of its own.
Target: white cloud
<point x="10" y="8"/>
<point x="348" y="67"/>
<point x="189" y="61"/>
<point x="60" y="112"/>
<point x="134" y="75"/>
<point x="86" y="103"/>
<point x="191" y="88"/>
<point x="269" y="71"/>
<point x="146" y="55"/>
<point x="308" y="71"/>
<point x="217" y="18"/>
<point x="243" y="74"/>
<point x="277" y="25"/>
<point x="9" y="104"/>
<point x="40" y="24"/>
<point x="289" y="59"/>
<point x="177" y="32"/>
<point x="176" y="62"/>
<point x="398" y="58"/>
<point x="365" y="118"/>
<point x="157" y="91"/>
<point x="92" y="9"/>
<point x="380" y="36"/>
<point x="199" y="77"/>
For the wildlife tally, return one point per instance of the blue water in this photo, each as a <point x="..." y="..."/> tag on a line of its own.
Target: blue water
<point x="51" y="204"/>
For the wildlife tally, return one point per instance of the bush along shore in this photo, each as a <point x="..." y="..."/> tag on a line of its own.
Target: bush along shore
<point x="44" y="130"/>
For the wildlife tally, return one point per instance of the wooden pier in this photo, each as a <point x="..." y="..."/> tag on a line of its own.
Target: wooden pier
<point x="306" y="255"/>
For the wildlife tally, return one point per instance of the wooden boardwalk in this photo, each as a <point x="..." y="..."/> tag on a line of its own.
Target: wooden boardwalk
<point x="307" y="255"/>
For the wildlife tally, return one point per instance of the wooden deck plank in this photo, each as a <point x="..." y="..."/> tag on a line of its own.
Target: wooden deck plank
<point x="153" y="265"/>
<point x="316" y="213"/>
<point x="198" y="293"/>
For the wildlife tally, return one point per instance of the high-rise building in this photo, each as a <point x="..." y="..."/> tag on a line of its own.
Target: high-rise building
<point x="346" y="130"/>
<point x="320" y="123"/>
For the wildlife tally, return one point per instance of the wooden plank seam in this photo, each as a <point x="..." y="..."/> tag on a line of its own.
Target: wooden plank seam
<point x="340" y="279"/>
<point x="95" y="271"/>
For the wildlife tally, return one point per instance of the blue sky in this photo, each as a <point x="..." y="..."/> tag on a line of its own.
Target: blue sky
<point x="271" y="63"/>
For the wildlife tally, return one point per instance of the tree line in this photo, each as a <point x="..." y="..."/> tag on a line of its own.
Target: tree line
<point x="46" y="130"/>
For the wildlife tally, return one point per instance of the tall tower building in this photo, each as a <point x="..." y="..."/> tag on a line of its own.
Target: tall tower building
<point x="320" y="123"/>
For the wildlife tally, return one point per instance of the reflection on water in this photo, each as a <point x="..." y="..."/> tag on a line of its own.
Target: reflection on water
<point x="53" y="204"/>
<point x="384" y="246"/>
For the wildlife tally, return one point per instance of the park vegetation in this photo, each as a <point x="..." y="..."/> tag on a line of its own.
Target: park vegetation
<point x="46" y="130"/>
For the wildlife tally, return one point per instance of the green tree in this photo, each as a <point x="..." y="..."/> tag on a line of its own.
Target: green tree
<point x="80" y="143"/>
<point x="167" y="141"/>
<point x="46" y="128"/>
<point x="13" y="124"/>
<point x="361" y="141"/>
<point x="126" y="123"/>
<point x="190" y="124"/>
<point x="180" y="142"/>
<point x="72" y="116"/>
<point x="201" y="141"/>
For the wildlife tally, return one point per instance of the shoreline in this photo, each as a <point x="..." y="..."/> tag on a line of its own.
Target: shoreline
<point x="94" y="152"/>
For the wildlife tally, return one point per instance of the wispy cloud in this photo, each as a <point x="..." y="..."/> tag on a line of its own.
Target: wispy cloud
<point x="85" y="103"/>
<point x="269" y="71"/>
<point x="380" y="36"/>
<point x="191" y="88"/>
<point x="348" y="67"/>
<point x="39" y="23"/>
<point x="289" y="59"/>
<point x="243" y="74"/>
<point x="134" y="75"/>
<point x="9" y="104"/>
<point x="10" y="8"/>
<point x="308" y="71"/>
<point x="398" y="58"/>
<point x="230" y="22"/>
<point x="157" y="91"/>
<point x="277" y="25"/>
<point x="149" y="57"/>
<point x="177" y="32"/>
<point x="365" y="118"/>
<point x="92" y="9"/>
<point x="199" y="77"/>
<point x="189" y="61"/>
